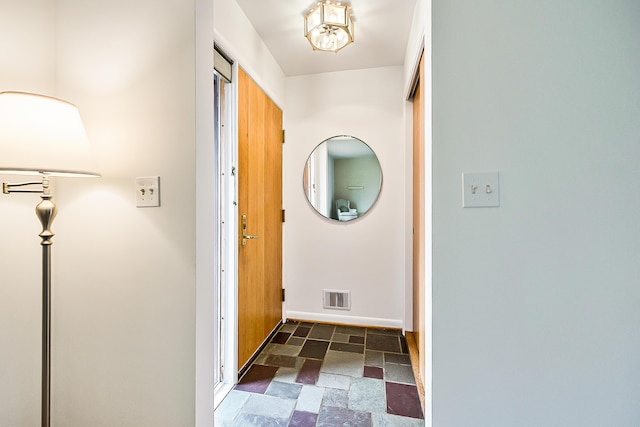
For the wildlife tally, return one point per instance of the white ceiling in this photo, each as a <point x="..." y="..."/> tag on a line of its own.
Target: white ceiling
<point x="381" y="33"/>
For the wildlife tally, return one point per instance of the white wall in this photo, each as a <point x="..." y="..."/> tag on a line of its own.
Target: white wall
<point x="419" y="37"/>
<point x="27" y="58"/>
<point x="235" y="34"/>
<point x="27" y="46"/>
<point x="124" y="278"/>
<point x="365" y="256"/>
<point x="536" y="302"/>
<point x="125" y="335"/>
<point x="206" y="229"/>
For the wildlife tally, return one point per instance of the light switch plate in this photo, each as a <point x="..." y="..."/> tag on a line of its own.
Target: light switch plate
<point x="480" y="189"/>
<point x="148" y="191"/>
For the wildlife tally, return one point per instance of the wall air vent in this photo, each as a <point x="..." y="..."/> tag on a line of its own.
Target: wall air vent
<point x="339" y="300"/>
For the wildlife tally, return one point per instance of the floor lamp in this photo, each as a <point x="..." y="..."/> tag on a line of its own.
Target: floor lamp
<point x="43" y="136"/>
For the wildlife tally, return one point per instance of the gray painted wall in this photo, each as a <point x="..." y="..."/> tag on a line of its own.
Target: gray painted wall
<point x="535" y="303"/>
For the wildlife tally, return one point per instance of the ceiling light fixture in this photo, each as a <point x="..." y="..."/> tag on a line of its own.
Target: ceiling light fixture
<point x="329" y="27"/>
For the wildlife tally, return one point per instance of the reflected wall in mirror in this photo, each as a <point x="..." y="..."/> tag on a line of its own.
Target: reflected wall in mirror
<point x="342" y="178"/>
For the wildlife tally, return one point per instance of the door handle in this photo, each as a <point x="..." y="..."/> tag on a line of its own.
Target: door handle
<point x="246" y="236"/>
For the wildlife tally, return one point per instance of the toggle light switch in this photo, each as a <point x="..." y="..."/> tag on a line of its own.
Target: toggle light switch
<point x="148" y="191"/>
<point x="480" y="189"/>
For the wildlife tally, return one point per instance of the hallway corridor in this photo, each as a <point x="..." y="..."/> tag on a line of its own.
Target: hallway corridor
<point x="324" y="375"/>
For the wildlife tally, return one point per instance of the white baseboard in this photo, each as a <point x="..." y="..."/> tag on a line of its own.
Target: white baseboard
<point x="344" y="319"/>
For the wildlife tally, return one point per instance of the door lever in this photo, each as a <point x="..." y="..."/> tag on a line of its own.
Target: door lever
<point x="246" y="236"/>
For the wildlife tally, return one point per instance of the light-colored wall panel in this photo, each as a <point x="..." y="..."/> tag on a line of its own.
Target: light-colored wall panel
<point x="123" y="278"/>
<point x="536" y="302"/>
<point x="125" y="297"/>
<point x="365" y="256"/>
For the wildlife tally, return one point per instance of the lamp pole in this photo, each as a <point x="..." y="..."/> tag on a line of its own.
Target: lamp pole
<point x="46" y="211"/>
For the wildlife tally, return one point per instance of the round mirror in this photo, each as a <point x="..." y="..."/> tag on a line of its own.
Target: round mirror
<point x="342" y="178"/>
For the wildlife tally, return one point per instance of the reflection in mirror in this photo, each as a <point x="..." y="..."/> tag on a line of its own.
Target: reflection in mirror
<point x="342" y="178"/>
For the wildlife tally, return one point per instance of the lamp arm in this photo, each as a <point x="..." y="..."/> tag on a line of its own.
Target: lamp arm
<point x="8" y="188"/>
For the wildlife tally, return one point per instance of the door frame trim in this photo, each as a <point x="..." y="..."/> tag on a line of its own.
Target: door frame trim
<point x="230" y="376"/>
<point x="423" y="49"/>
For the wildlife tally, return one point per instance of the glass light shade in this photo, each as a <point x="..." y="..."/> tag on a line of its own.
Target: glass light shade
<point x="335" y="15"/>
<point x="329" y="27"/>
<point x="312" y="20"/>
<point x="42" y="135"/>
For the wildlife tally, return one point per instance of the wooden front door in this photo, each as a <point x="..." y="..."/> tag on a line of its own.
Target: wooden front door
<point x="260" y="217"/>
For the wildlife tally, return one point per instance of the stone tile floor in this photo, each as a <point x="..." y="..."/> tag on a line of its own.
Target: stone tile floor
<point x="323" y="375"/>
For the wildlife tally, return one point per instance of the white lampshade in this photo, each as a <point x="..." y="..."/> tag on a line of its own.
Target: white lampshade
<point x="42" y="135"/>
